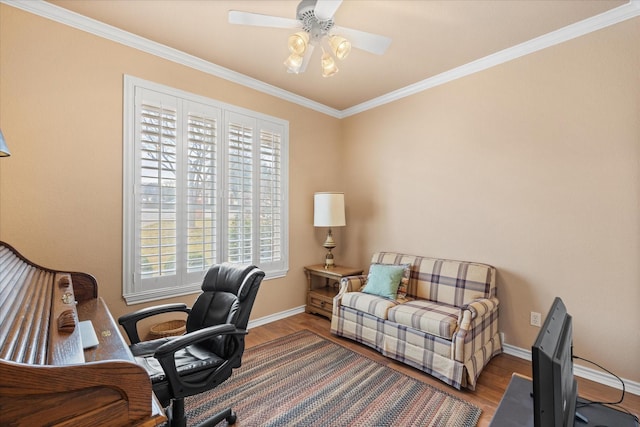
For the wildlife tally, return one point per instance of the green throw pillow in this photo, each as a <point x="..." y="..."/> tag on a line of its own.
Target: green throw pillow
<point x="384" y="280"/>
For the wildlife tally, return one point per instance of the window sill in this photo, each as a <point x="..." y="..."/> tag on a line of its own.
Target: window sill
<point x="164" y="293"/>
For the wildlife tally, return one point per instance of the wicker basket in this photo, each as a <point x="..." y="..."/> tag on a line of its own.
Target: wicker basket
<point x="168" y="329"/>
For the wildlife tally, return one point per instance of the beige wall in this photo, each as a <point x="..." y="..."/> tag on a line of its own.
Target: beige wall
<point x="61" y="190"/>
<point x="532" y="166"/>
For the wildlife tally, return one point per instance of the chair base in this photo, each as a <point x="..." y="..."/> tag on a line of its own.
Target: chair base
<point x="176" y="416"/>
<point x="228" y="414"/>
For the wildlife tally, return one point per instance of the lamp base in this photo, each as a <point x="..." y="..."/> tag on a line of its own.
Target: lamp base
<point x="328" y="260"/>
<point x="329" y="244"/>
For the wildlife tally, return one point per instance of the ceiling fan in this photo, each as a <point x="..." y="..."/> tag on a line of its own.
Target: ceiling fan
<point x="315" y="20"/>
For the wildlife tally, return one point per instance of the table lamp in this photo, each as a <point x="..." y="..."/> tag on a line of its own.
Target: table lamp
<point x="328" y="211"/>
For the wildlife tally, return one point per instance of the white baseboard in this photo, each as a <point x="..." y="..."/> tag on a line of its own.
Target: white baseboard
<point x="582" y="371"/>
<point x="273" y="317"/>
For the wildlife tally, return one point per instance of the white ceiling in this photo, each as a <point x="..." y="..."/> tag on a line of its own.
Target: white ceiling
<point x="430" y="37"/>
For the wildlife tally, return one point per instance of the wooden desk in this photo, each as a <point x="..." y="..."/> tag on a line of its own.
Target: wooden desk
<point x="107" y="389"/>
<point x="113" y="346"/>
<point x="516" y="409"/>
<point x="46" y="376"/>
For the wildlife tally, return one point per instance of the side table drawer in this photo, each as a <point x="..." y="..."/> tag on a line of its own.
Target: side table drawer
<point x="320" y="301"/>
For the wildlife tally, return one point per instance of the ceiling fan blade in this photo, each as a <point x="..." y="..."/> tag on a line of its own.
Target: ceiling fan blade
<point x="369" y="42"/>
<point x="306" y="59"/>
<point x="325" y="9"/>
<point x="256" y="19"/>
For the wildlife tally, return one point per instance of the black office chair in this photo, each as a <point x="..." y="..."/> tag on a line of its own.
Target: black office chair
<point x="210" y="349"/>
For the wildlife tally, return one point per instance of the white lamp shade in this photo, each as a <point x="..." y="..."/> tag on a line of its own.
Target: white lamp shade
<point x="340" y="46"/>
<point x="329" y="67"/>
<point x="293" y="63"/>
<point x="298" y="43"/>
<point x="328" y="210"/>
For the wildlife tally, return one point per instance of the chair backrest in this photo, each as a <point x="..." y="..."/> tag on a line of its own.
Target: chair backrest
<point x="228" y="294"/>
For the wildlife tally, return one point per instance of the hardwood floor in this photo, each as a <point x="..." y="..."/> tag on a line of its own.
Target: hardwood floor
<point x="491" y="384"/>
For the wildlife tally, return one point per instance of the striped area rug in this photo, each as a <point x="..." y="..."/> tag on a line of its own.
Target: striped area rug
<point x="305" y="380"/>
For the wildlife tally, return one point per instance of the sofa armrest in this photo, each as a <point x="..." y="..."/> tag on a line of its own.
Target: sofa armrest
<point x="348" y="284"/>
<point x="352" y="283"/>
<point x="476" y="320"/>
<point x="477" y="308"/>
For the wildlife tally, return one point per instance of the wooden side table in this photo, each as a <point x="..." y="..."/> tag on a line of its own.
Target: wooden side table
<point x="324" y="284"/>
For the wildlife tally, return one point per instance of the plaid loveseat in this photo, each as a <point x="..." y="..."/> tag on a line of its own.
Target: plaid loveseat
<point x="446" y="326"/>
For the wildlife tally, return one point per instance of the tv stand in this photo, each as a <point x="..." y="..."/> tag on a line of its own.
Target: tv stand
<point x="516" y="409"/>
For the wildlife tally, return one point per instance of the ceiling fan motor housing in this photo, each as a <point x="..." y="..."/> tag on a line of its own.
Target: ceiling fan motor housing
<point x="310" y="23"/>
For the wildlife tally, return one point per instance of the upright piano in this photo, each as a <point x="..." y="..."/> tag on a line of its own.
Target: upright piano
<point x="46" y="377"/>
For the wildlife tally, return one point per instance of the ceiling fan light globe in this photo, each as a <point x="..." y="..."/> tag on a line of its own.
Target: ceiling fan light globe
<point x="340" y="46"/>
<point x="293" y="63"/>
<point x="298" y="42"/>
<point x="329" y="67"/>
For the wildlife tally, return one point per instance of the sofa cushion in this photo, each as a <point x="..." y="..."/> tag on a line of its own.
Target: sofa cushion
<point x="433" y="318"/>
<point x="453" y="282"/>
<point x="372" y="304"/>
<point x="403" y="287"/>
<point x="384" y="280"/>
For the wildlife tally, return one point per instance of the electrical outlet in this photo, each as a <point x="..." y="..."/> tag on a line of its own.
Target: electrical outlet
<point x="536" y="319"/>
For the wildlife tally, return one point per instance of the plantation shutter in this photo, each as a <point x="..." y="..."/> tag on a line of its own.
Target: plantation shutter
<point x="156" y="231"/>
<point x="177" y="215"/>
<point x="203" y="183"/>
<point x="255" y="191"/>
<point x="270" y="195"/>
<point x="201" y="225"/>
<point x="240" y="188"/>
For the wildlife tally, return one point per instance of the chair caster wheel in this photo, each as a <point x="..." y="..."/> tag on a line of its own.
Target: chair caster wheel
<point x="231" y="419"/>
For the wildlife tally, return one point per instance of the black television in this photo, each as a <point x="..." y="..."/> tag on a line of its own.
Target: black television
<point x="555" y="390"/>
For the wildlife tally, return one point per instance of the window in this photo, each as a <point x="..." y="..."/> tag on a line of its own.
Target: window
<point x="204" y="182"/>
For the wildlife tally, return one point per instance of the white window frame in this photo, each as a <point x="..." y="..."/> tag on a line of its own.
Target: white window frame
<point x="135" y="288"/>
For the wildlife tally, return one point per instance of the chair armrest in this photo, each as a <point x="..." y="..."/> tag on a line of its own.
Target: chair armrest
<point x="180" y="385"/>
<point x="182" y="341"/>
<point x="130" y="321"/>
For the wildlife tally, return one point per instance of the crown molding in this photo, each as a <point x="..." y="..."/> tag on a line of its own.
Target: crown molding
<point x="586" y="26"/>
<point x="100" y="29"/>
<point x="66" y="17"/>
